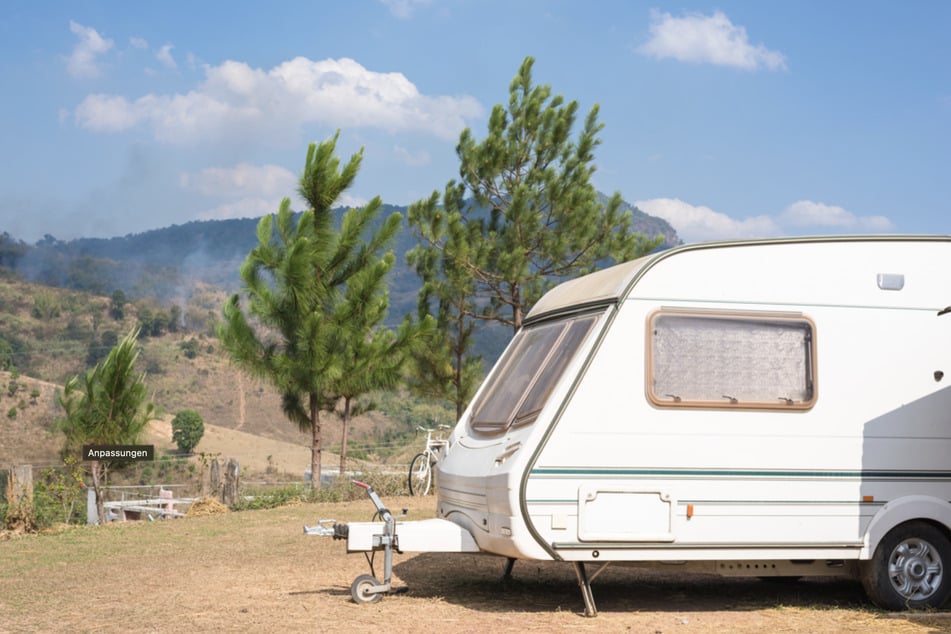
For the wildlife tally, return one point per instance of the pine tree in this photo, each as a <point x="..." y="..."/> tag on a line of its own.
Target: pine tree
<point x="309" y="286"/>
<point x="522" y="217"/>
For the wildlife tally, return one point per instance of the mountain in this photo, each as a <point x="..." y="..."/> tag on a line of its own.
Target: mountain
<point x="166" y="263"/>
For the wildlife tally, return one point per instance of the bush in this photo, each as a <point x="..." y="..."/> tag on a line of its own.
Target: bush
<point x="187" y="429"/>
<point x="385" y="483"/>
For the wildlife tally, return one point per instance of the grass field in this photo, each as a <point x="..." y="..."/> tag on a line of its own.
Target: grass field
<point x="257" y="571"/>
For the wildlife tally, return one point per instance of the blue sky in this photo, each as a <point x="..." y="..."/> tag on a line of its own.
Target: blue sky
<point x="730" y="120"/>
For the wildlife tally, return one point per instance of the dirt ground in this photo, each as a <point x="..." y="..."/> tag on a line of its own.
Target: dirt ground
<point x="257" y="571"/>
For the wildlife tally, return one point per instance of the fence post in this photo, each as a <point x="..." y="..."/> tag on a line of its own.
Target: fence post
<point x="215" y="477"/>
<point x="20" y="484"/>
<point x="19" y="495"/>
<point x="92" y="513"/>
<point x="229" y="492"/>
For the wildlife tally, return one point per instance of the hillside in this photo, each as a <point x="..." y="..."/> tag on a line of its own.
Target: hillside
<point x="58" y="317"/>
<point x="48" y="335"/>
<point x="165" y="263"/>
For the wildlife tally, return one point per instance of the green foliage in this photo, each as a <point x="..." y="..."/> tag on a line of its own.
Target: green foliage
<point x="12" y="413"/>
<point x="6" y="354"/>
<point x="59" y="494"/>
<point x="152" y="323"/>
<point x="45" y="306"/>
<point x="188" y="427"/>
<point x="11" y="251"/>
<point x="189" y="348"/>
<point x="106" y="405"/>
<point x="314" y="298"/>
<point x="524" y="217"/>
<point x="385" y="483"/>
<point x="98" y="350"/>
<point x="117" y="305"/>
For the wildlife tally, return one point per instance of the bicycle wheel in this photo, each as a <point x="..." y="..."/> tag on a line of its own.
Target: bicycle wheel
<point x="420" y="475"/>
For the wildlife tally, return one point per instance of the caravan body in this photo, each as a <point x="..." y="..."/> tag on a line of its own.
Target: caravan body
<point x="776" y="407"/>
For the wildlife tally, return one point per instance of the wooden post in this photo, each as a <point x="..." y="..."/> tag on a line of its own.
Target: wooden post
<point x="20" y="484"/>
<point x="215" y="477"/>
<point x="19" y="495"/>
<point x="229" y="492"/>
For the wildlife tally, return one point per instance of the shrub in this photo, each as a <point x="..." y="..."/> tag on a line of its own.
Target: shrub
<point x="187" y="429"/>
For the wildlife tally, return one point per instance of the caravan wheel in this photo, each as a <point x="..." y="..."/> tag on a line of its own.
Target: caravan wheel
<point x="910" y="568"/>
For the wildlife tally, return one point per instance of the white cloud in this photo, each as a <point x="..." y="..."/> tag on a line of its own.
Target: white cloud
<point x="107" y="113"/>
<point x="240" y="208"/>
<point x="235" y="96"/>
<point x="164" y="56"/>
<point x="249" y="191"/>
<point x="243" y="190"/>
<point x="699" y="223"/>
<point x="705" y="39"/>
<point x="243" y="179"/>
<point x="83" y="61"/>
<point x="138" y="42"/>
<point x="404" y="8"/>
<point x="805" y="213"/>
<point x="413" y="159"/>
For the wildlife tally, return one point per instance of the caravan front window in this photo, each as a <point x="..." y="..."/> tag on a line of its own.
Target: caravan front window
<point x="528" y="372"/>
<point x="727" y="359"/>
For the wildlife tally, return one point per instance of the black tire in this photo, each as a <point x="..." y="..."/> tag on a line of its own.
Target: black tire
<point x="910" y="570"/>
<point x="420" y="475"/>
<point x="360" y="589"/>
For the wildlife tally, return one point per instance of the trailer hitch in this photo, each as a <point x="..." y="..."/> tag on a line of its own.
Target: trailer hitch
<point x="366" y="588"/>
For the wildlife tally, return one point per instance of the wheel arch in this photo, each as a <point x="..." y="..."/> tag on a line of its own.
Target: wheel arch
<point x="932" y="510"/>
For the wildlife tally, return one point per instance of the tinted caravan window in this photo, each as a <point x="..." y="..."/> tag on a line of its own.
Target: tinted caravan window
<point x="731" y="360"/>
<point x="528" y="372"/>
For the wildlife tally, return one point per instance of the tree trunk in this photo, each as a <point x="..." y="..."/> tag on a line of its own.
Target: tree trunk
<point x="98" y="470"/>
<point x="346" y="432"/>
<point x="315" y="442"/>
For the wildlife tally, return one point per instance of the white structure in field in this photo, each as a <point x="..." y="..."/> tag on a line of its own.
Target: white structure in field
<point x="768" y="408"/>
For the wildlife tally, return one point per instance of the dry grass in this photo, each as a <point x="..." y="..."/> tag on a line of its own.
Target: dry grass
<point x="256" y="571"/>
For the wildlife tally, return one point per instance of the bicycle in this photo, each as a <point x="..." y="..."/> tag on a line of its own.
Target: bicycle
<point x="421" y="468"/>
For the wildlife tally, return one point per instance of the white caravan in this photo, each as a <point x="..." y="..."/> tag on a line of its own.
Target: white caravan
<point x="765" y="408"/>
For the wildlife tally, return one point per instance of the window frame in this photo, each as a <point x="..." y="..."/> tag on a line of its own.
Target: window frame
<point x="726" y="403"/>
<point x="516" y="417"/>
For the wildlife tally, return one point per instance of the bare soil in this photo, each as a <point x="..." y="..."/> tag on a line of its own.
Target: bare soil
<point x="257" y="571"/>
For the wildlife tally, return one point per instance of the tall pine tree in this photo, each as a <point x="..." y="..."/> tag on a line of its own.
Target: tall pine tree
<point x="522" y="217"/>
<point x="308" y="284"/>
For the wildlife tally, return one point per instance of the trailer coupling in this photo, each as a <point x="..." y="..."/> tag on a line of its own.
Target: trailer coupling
<point x="389" y="536"/>
<point x="366" y="588"/>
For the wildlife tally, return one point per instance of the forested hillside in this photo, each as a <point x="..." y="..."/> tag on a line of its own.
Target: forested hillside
<point x="169" y="266"/>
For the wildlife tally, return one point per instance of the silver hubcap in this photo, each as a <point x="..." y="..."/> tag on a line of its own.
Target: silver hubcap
<point x="915" y="569"/>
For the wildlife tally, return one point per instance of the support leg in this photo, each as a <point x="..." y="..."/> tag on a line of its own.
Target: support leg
<point x="585" y="584"/>
<point x="509" y="564"/>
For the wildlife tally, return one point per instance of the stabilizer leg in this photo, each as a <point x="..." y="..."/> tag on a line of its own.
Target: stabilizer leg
<point x="507" y="573"/>
<point x="584" y="583"/>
